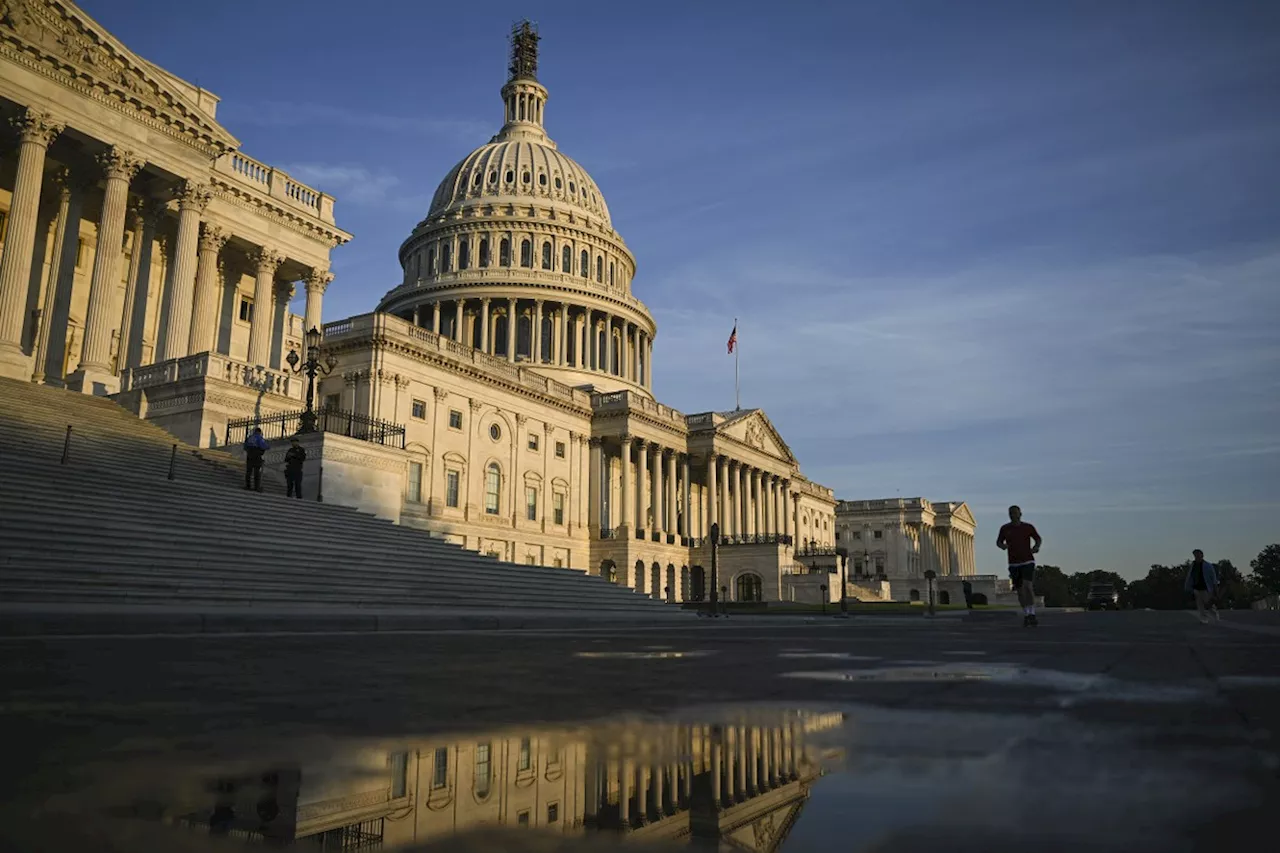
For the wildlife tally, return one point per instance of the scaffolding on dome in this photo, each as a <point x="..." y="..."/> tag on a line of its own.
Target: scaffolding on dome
<point x="524" y="51"/>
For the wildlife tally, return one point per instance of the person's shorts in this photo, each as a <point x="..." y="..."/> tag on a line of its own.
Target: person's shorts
<point x="1024" y="573"/>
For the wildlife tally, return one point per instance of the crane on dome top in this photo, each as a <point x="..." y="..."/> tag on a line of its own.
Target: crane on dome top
<point x="524" y="51"/>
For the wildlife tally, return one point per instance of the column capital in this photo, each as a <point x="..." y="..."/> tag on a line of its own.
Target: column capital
<point x="440" y="393"/>
<point x="192" y="195"/>
<point x="212" y="238"/>
<point x="548" y="428"/>
<point x="475" y="405"/>
<point x="266" y="261"/>
<point x="120" y="163"/>
<point x="521" y="420"/>
<point x="284" y="290"/>
<point x="484" y="300"/>
<point x="595" y="441"/>
<point x="317" y="281"/>
<point x="37" y="126"/>
<point x="143" y="212"/>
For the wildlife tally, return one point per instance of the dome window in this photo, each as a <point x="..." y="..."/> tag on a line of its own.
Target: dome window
<point x="527" y="178"/>
<point x="431" y="261"/>
<point x="477" y="179"/>
<point x="511" y="176"/>
<point x="484" y="251"/>
<point x="611" y="273"/>
<point x="546" y="256"/>
<point x="585" y="264"/>
<point x="504" y="253"/>
<point x="559" y="183"/>
<point x="566" y="260"/>
<point x="493" y="177"/>
<point x="599" y="269"/>
<point x="572" y="188"/>
<point x="526" y="254"/>
<point x="542" y="180"/>
<point x="464" y="254"/>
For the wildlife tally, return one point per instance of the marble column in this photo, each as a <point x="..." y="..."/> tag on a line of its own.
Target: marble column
<point x="511" y="330"/>
<point x="655" y="496"/>
<point x="744" y="486"/>
<point x="686" y="526"/>
<point x="535" y="333"/>
<point x="712" y="461"/>
<point x="283" y="295"/>
<point x="795" y="518"/>
<point x="642" y="487"/>
<point x="36" y="132"/>
<point x="669" y="504"/>
<point x="144" y="217"/>
<point x="458" y="305"/>
<point x="628" y="497"/>
<point x="593" y="491"/>
<point x="757" y="485"/>
<point x="562" y="356"/>
<point x="266" y="262"/>
<point x="95" y="374"/>
<point x="435" y="317"/>
<point x="204" y="317"/>
<point x="51" y="355"/>
<point x="726" y="498"/>
<point x="192" y="198"/>
<point x="316" y="283"/>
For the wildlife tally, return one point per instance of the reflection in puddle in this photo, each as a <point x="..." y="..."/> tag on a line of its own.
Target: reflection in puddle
<point x="828" y="656"/>
<point x="646" y="655"/>
<point x="1095" y="686"/>
<point x="658" y="781"/>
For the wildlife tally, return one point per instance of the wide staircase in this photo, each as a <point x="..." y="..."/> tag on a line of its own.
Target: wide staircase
<point x="116" y="512"/>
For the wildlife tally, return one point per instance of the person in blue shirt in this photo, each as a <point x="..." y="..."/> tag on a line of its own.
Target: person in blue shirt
<point x="1202" y="582"/>
<point x="255" y="447"/>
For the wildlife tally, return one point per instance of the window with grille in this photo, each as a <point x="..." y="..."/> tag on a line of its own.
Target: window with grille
<point x="531" y="503"/>
<point x="415" y="482"/>
<point x="492" y="488"/>
<point x="419" y="409"/>
<point x="557" y="507"/>
<point x="451" y="479"/>
<point x="440" y="768"/>
<point x="455" y="419"/>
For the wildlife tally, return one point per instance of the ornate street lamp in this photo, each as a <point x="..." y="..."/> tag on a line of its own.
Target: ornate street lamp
<point x="715" y="552"/>
<point x="311" y="366"/>
<point x="843" y="554"/>
<point x="930" y="574"/>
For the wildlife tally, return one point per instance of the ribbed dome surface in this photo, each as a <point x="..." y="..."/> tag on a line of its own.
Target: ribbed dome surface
<point x="515" y="170"/>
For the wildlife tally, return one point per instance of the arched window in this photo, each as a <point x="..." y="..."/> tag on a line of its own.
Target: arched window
<point x="464" y="254"/>
<point x="504" y="253"/>
<point x="944" y="597"/>
<point x="484" y="251"/>
<point x="446" y="257"/>
<point x="599" y="270"/>
<point x="655" y="580"/>
<point x="511" y="176"/>
<point x="566" y="260"/>
<point x="915" y="595"/>
<point x="542" y="179"/>
<point x="611" y="273"/>
<point x="431" y="260"/>
<point x="585" y="264"/>
<point x="750" y="587"/>
<point x="526" y="253"/>
<point x="476" y="181"/>
<point x="483" y="769"/>
<point x="639" y="578"/>
<point x="492" y="488"/>
<point x="546" y="256"/>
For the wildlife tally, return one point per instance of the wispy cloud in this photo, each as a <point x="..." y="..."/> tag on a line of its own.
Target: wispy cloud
<point x="359" y="185"/>
<point x="281" y="114"/>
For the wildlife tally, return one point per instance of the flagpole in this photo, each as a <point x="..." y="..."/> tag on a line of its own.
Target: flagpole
<point x="737" y="388"/>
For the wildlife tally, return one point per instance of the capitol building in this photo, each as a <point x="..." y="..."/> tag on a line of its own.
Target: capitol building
<point x="500" y="395"/>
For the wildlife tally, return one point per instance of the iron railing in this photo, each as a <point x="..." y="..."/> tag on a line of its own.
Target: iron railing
<point x="335" y="421"/>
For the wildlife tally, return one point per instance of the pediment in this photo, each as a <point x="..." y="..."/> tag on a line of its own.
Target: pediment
<point x="766" y="833"/>
<point x="754" y="429"/>
<point x="73" y="47"/>
<point x="961" y="511"/>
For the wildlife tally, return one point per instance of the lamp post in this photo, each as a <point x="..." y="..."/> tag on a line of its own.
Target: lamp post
<point x="929" y="576"/>
<point x="715" y="549"/>
<point x="843" y="554"/>
<point x="311" y="366"/>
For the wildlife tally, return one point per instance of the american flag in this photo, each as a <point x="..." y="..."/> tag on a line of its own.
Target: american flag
<point x="733" y="338"/>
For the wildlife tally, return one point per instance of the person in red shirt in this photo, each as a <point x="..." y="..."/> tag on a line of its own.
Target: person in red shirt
<point x="1017" y="537"/>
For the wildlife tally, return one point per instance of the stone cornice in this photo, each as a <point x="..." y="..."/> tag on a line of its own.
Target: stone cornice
<point x="262" y="206"/>
<point x="59" y="42"/>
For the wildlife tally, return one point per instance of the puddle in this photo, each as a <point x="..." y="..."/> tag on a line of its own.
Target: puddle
<point x="647" y="655"/>
<point x="1077" y="686"/>
<point x="757" y="778"/>
<point x="961" y="652"/>
<point x="827" y="656"/>
<point x="1249" y="680"/>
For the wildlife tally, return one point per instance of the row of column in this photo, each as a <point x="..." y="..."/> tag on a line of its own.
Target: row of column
<point x="661" y="485"/>
<point x="748" y="501"/>
<point x="576" y="336"/>
<point x="191" y="310"/>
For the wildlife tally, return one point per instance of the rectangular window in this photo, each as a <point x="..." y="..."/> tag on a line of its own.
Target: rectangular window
<point x="246" y="309"/>
<point x="879" y="534"/>
<point x="399" y="762"/>
<point x="533" y="441"/>
<point x="82" y="249"/>
<point x="531" y="560"/>
<point x="522" y="818"/>
<point x="497" y="555"/>
<point x="333" y="402"/>
<point x="440" y="770"/>
<point x="419" y="409"/>
<point x="557" y="508"/>
<point x="526" y="754"/>
<point x="857" y="566"/>
<point x="415" y="482"/>
<point x="857" y="534"/>
<point x="451" y="479"/>
<point x="455" y="419"/>
<point x="559" y="563"/>
<point x="4" y="222"/>
<point x="879" y="564"/>
<point x="553" y="812"/>
<point x="484" y="770"/>
<point x="559" y="449"/>
<point x="531" y="503"/>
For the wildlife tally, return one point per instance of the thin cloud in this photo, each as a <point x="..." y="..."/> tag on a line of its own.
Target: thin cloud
<point x="283" y="114"/>
<point x="358" y="185"/>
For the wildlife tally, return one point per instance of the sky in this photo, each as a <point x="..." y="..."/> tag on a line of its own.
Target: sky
<point x="999" y="252"/>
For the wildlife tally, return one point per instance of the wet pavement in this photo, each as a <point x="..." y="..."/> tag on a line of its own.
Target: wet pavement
<point x="1095" y="731"/>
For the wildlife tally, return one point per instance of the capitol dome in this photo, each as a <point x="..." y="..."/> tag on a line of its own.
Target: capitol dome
<point x="517" y="256"/>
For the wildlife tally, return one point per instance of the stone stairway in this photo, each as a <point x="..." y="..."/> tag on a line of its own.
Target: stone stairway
<point x="109" y="528"/>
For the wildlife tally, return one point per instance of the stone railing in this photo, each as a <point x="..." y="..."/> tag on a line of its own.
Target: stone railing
<point x="213" y="366"/>
<point x="389" y="325"/>
<point x="339" y="805"/>
<point x="629" y="400"/>
<point x="886" y="503"/>
<point x="276" y="184"/>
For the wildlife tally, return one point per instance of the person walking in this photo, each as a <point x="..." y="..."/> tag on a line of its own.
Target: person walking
<point x="255" y="447"/>
<point x="1017" y="537"/>
<point x="293" y="462"/>
<point x="1202" y="582"/>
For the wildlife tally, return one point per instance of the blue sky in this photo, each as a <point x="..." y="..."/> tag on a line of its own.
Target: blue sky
<point x="992" y="251"/>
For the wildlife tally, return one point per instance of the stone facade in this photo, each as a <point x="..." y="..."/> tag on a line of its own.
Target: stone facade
<point x="146" y="257"/>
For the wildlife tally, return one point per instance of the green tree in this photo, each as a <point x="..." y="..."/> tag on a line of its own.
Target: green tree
<point x="1236" y="591"/>
<point x="1161" y="589"/>
<point x="1052" y="584"/>
<point x="1266" y="569"/>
